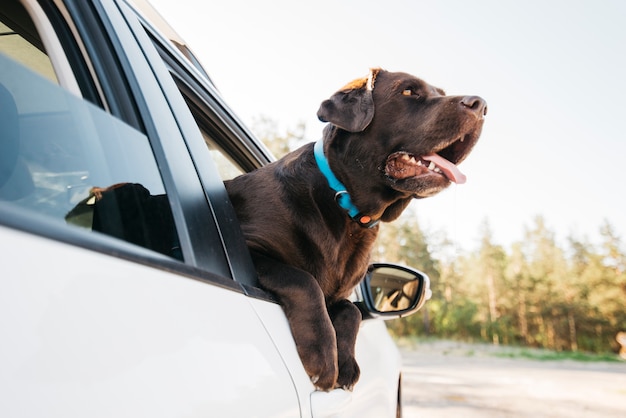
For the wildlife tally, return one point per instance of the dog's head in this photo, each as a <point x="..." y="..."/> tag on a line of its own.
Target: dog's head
<point x="399" y="133"/>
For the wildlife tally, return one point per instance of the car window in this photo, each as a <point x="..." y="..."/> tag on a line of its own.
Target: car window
<point x="226" y="166"/>
<point x="66" y="160"/>
<point x="227" y="149"/>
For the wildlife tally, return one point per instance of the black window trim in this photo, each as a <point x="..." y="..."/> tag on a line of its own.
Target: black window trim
<point x="217" y="201"/>
<point x="192" y="88"/>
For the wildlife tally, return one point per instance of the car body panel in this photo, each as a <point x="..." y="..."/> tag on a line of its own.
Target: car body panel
<point x="110" y="337"/>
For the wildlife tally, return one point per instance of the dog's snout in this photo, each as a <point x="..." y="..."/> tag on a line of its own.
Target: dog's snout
<point x="476" y="104"/>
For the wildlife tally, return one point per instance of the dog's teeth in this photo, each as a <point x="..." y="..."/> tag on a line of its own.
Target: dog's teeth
<point x="419" y="162"/>
<point x="437" y="170"/>
<point x="431" y="166"/>
<point x="406" y="157"/>
<point x="413" y="160"/>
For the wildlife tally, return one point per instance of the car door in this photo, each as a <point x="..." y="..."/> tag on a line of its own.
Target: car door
<point x="117" y="295"/>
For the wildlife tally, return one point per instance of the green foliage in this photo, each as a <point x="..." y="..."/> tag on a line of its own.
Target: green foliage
<point x="548" y="355"/>
<point x="537" y="294"/>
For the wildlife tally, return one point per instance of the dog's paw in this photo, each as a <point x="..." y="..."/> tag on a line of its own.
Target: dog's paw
<point x="321" y="366"/>
<point x="325" y="380"/>
<point x="349" y="373"/>
<point x="324" y="383"/>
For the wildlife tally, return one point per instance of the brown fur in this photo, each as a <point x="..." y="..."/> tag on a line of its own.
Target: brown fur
<point x="307" y="251"/>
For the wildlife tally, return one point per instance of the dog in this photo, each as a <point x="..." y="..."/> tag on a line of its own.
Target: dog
<point x="310" y="219"/>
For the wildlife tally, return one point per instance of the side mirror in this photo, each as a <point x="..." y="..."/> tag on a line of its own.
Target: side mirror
<point x="391" y="291"/>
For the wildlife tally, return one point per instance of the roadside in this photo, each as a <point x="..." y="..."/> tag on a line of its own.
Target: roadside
<point x="453" y="379"/>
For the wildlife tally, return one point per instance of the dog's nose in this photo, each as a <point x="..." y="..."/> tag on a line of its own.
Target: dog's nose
<point x="476" y="104"/>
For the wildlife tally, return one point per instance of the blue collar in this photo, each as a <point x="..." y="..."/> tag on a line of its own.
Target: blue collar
<point x="342" y="197"/>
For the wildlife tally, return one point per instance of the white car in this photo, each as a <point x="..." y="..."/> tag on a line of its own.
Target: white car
<point x="126" y="287"/>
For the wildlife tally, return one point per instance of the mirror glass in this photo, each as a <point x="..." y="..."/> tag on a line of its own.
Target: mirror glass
<point x="395" y="288"/>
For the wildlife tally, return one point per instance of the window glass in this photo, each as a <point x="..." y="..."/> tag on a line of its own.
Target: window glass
<point x="67" y="160"/>
<point x="19" y="40"/>
<point x="227" y="168"/>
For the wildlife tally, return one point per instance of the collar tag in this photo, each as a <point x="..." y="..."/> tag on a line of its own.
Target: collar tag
<point x="342" y="197"/>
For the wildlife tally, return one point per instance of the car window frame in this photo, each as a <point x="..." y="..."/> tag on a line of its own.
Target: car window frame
<point x="142" y="83"/>
<point x="190" y="84"/>
<point x="169" y="67"/>
<point x="203" y="253"/>
<point x="131" y="55"/>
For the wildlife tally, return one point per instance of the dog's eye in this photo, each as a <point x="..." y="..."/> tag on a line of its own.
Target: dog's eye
<point x="407" y="92"/>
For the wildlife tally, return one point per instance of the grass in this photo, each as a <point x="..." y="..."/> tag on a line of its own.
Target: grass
<point x="504" y="351"/>
<point x="548" y="355"/>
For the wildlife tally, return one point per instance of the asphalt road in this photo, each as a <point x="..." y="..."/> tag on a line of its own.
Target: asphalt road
<point x="448" y="379"/>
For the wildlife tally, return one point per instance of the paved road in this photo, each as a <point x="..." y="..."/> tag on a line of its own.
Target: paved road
<point x="447" y="379"/>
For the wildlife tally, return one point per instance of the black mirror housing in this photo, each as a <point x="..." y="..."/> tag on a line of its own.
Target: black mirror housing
<point x="391" y="291"/>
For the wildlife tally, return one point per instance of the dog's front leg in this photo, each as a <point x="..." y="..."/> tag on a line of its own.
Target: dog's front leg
<point x="346" y="319"/>
<point x="302" y="300"/>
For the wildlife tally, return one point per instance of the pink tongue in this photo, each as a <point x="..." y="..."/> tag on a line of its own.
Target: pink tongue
<point x="450" y="170"/>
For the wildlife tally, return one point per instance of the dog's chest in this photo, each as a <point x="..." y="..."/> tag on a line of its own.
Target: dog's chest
<point x="345" y="266"/>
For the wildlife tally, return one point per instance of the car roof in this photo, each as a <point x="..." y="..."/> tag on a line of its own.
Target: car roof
<point x="144" y="9"/>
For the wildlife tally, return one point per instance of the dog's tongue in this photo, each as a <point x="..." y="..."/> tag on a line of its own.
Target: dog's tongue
<point x="450" y="170"/>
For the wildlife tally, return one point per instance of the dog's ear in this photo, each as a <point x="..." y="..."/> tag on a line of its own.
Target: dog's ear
<point x="352" y="107"/>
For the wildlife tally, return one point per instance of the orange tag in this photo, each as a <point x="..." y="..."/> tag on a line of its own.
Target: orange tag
<point x="365" y="219"/>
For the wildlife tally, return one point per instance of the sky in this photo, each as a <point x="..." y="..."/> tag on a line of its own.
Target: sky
<point x="552" y="72"/>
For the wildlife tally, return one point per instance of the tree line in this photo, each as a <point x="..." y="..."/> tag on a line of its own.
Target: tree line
<point x="534" y="293"/>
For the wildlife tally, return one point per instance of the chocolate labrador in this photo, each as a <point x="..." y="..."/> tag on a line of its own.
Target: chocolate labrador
<point x="310" y="219"/>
